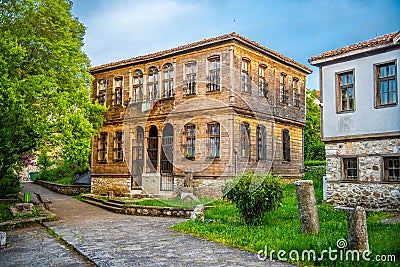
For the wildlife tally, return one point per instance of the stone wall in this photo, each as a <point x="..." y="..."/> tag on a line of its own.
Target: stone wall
<point x="370" y="190"/>
<point x="120" y="185"/>
<point x="70" y="190"/>
<point x="371" y="196"/>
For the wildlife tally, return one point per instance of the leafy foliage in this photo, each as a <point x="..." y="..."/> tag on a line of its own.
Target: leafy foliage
<point x="281" y="230"/>
<point x="254" y="195"/>
<point x="44" y="81"/>
<point x="9" y="184"/>
<point x="314" y="149"/>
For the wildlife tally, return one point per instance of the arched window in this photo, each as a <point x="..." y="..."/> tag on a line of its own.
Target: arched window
<point x="138" y="86"/>
<point x="246" y="81"/>
<point x="282" y="88"/>
<point x="102" y="91"/>
<point x="168" y="72"/>
<point x="153" y="84"/>
<point x="118" y="88"/>
<point x="262" y="81"/>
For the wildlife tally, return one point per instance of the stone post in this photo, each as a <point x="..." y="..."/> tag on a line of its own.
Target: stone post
<point x="110" y="194"/>
<point x="3" y="239"/>
<point x="307" y="207"/>
<point x="357" y="229"/>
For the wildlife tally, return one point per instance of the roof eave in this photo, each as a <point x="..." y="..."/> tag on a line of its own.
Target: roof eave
<point x="321" y="61"/>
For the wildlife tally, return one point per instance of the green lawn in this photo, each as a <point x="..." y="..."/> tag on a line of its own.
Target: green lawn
<point x="281" y="231"/>
<point x="174" y="202"/>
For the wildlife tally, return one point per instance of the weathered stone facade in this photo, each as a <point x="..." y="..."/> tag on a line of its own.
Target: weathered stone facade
<point x="371" y="190"/>
<point x="258" y="95"/>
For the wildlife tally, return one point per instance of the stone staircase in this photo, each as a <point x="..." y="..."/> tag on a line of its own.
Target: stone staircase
<point x="113" y="205"/>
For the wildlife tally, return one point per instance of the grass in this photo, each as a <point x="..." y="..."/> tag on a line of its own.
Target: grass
<point x="281" y="230"/>
<point x="66" y="180"/>
<point x="174" y="202"/>
<point x="5" y="214"/>
<point x="314" y="163"/>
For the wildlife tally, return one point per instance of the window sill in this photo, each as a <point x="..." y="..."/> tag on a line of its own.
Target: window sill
<point x="102" y="161"/>
<point x="386" y="106"/>
<point x="189" y="95"/>
<point x="213" y="92"/>
<point x="345" y="111"/>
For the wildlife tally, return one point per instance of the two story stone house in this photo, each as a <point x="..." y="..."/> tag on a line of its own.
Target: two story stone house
<point x="360" y="117"/>
<point x="208" y="110"/>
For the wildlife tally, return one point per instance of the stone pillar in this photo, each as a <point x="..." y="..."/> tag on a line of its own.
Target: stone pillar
<point x="357" y="229"/>
<point x="110" y="194"/>
<point x="307" y="207"/>
<point x="3" y="239"/>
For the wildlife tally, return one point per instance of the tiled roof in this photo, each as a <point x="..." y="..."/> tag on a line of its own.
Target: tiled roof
<point x="378" y="41"/>
<point x="229" y="36"/>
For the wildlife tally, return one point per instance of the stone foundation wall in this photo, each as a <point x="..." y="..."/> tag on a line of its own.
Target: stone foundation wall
<point x="371" y="196"/>
<point x="370" y="190"/>
<point x="119" y="185"/>
<point x="70" y="190"/>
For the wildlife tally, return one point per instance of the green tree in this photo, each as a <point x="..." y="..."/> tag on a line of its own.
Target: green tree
<point x="44" y="81"/>
<point x="314" y="149"/>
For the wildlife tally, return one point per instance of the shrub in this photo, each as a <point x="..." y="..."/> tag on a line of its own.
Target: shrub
<point x="9" y="184"/>
<point x="254" y="195"/>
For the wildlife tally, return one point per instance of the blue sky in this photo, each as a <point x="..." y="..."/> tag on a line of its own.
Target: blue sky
<point x="121" y="29"/>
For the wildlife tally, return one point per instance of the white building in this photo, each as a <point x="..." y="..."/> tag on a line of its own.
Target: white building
<point x="360" y="118"/>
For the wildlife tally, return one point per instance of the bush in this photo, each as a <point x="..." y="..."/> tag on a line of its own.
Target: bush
<point x="9" y="184"/>
<point x="254" y="195"/>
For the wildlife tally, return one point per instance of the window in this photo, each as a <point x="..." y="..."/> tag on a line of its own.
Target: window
<point x="261" y="143"/>
<point x="245" y="140"/>
<point x="386" y="92"/>
<point x="190" y="78"/>
<point x="350" y="169"/>
<point x="296" y="93"/>
<point x="102" y="146"/>
<point x="138" y="86"/>
<point x="392" y="169"/>
<point x="119" y="146"/>
<point x="190" y="147"/>
<point x="286" y="145"/>
<point x="262" y="83"/>
<point x="153" y="84"/>
<point x="214" y="139"/>
<point x="102" y="91"/>
<point x="168" y="80"/>
<point x="345" y="92"/>
<point x="246" y="81"/>
<point x="118" y="91"/>
<point x="282" y="89"/>
<point x="213" y="77"/>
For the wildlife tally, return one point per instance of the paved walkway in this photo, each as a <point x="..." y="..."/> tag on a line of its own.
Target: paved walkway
<point x="109" y="239"/>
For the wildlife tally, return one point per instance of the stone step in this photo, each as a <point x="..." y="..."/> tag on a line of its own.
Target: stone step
<point x="104" y="206"/>
<point x="111" y="202"/>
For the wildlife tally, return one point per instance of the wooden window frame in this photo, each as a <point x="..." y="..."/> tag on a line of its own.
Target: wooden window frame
<point x="283" y="92"/>
<point x="214" y="74"/>
<point x="138" y="86"/>
<point x="102" y="91"/>
<point x="118" y="91"/>
<point x="339" y="92"/>
<point x="378" y="81"/>
<point x="286" y="157"/>
<point x="102" y="147"/>
<point x="190" y="146"/>
<point x="119" y="146"/>
<point x="262" y="81"/>
<point x="214" y="140"/>
<point x="245" y="76"/>
<point x="296" y="92"/>
<point x="345" y="169"/>
<point x="191" y="72"/>
<point x="168" y="76"/>
<point x="152" y="84"/>
<point x="245" y="144"/>
<point x="261" y="136"/>
<point x="391" y="167"/>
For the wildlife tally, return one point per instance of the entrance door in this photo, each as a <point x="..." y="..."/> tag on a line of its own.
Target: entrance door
<point x="167" y="155"/>
<point x="137" y="158"/>
<point x="152" y="148"/>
